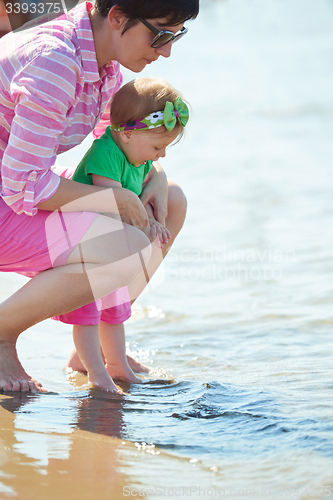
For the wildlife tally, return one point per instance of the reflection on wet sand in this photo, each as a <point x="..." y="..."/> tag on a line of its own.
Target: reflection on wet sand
<point x="62" y="446"/>
<point x="40" y="460"/>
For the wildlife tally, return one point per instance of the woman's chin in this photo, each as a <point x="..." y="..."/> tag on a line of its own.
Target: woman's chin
<point x="136" y="67"/>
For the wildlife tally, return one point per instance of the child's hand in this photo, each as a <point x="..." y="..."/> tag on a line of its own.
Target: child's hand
<point x="158" y="232"/>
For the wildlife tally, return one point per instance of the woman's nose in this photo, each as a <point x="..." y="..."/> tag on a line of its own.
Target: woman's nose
<point x="164" y="51"/>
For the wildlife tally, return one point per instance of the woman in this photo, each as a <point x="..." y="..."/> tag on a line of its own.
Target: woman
<point x="56" y="80"/>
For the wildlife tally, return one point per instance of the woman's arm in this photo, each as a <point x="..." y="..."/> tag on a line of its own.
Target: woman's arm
<point x="73" y="196"/>
<point x="155" y="192"/>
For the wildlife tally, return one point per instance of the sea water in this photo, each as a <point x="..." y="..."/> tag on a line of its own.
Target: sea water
<point x="238" y="324"/>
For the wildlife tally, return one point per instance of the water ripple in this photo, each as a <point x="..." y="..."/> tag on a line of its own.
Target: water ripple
<point x="186" y="417"/>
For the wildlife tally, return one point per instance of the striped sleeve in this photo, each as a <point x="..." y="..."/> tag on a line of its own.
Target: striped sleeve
<point x="44" y="92"/>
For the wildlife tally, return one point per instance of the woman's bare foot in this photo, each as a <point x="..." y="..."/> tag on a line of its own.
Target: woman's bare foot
<point x="136" y="366"/>
<point x="12" y="375"/>
<point x="122" y="371"/>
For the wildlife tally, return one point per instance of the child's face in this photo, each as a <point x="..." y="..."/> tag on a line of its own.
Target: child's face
<point x="141" y="146"/>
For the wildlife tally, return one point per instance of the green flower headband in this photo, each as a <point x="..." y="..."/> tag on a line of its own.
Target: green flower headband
<point x="168" y="118"/>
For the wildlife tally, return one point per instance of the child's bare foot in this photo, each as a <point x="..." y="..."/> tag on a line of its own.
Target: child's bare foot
<point x="136" y="366"/>
<point x="105" y="382"/>
<point x="12" y="375"/>
<point x="122" y="371"/>
<point x="75" y="362"/>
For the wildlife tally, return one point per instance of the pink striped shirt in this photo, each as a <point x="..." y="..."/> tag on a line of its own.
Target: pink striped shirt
<point x="52" y="95"/>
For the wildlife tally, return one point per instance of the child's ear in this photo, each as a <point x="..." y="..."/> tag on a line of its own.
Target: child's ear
<point x="125" y="136"/>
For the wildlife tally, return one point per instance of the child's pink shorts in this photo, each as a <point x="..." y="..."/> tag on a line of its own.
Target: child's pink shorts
<point x="114" y="308"/>
<point x="29" y="245"/>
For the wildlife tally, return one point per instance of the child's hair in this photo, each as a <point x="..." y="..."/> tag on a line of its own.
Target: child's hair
<point x="175" y="11"/>
<point x="141" y="97"/>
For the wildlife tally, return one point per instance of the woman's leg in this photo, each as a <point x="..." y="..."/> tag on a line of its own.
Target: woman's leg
<point x="104" y="260"/>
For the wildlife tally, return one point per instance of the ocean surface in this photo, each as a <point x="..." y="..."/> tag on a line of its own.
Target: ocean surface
<point x="238" y="324"/>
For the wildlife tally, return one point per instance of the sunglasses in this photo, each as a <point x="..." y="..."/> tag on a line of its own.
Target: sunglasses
<point x="163" y="37"/>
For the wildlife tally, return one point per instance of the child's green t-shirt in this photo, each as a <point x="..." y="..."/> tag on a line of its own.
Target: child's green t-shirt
<point x="106" y="159"/>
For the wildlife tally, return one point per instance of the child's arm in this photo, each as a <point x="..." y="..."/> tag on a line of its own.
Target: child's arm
<point x="99" y="180"/>
<point x="157" y="230"/>
<point x="155" y="191"/>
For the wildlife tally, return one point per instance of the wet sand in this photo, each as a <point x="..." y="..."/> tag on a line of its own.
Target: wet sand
<point x="39" y="460"/>
<point x="89" y="471"/>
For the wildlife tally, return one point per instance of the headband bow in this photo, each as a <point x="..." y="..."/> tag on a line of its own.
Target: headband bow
<point x="174" y="112"/>
<point x="168" y="118"/>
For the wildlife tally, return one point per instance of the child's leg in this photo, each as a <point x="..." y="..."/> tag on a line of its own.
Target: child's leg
<point x="75" y="363"/>
<point x="116" y="308"/>
<point x="112" y="339"/>
<point x="87" y="345"/>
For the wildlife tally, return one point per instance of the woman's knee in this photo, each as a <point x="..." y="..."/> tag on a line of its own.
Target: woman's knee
<point x="177" y="206"/>
<point x="177" y="201"/>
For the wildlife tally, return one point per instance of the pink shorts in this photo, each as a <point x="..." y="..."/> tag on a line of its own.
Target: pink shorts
<point x="114" y="308"/>
<point x="29" y="245"/>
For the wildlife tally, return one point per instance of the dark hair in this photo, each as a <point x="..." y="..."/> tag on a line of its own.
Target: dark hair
<point x="175" y="11"/>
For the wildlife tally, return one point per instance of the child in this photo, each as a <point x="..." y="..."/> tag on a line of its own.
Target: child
<point x="147" y="115"/>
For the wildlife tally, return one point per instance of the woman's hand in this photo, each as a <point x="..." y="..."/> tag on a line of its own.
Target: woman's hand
<point x="130" y="208"/>
<point x="128" y="203"/>
<point x="155" y="192"/>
